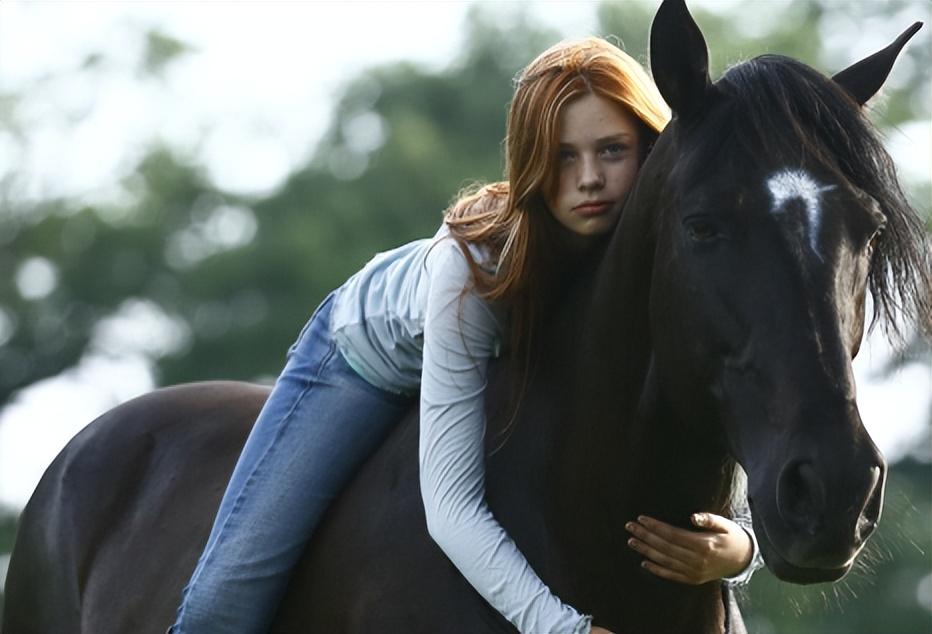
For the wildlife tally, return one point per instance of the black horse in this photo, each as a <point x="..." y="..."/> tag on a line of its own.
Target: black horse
<point x="718" y="325"/>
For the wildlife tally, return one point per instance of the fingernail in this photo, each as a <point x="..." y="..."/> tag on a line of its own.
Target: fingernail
<point x="630" y="526"/>
<point x="643" y="518"/>
<point x="631" y="543"/>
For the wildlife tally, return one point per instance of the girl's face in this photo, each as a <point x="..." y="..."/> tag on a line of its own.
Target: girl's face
<point x="598" y="160"/>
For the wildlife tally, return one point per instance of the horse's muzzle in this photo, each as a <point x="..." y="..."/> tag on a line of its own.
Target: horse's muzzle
<point x="819" y="516"/>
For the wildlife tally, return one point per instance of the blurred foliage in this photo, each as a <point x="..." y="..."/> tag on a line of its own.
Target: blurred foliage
<point x="402" y="143"/>
<point x="160" y="51"/>
<point x="7" y="531"/>
<point x="228" y="280"/>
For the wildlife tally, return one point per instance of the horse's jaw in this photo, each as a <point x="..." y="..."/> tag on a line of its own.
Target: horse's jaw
<point x="786" y="571"/>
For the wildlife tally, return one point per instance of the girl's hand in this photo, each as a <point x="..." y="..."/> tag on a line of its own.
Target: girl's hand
<point x="599" y="630"/>
<point x="722" y="549"/>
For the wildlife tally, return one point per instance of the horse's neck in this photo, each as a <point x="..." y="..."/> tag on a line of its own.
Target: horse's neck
<point x="684" y="459"/>
<point x="623" y="451"/>
<point x="610" y="366"/>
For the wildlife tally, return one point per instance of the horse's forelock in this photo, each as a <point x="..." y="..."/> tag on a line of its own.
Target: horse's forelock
<point x="781" y="107"/>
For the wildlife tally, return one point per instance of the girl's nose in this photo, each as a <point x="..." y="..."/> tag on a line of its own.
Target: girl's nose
<point x="590" y="174"/>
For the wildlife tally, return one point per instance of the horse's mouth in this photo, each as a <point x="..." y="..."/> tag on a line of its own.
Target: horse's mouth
<point x="786" y="571"/>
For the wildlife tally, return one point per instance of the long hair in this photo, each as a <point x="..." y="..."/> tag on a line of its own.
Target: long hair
<point x="506" y="217"/>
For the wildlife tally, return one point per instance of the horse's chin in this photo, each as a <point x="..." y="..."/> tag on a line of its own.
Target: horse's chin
<point x="786" y="571"/>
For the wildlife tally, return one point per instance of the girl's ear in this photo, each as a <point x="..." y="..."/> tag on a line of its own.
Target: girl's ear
<point x="679" y="59"/>
<point x="863" y="79"/>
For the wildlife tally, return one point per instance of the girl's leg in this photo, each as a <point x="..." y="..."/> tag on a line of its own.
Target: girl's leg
<point x="320" y="423"/>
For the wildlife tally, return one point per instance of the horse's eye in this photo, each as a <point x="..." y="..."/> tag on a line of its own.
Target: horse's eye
<point x="701" y="229"/>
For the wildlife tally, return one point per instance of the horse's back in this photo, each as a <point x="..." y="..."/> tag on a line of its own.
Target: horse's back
<point x="117" y="522"/>
<point x="115" y="527"/>
<point x="372" y="566"/>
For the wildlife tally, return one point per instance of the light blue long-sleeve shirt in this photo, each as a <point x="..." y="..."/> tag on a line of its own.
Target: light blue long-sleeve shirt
<point x="404" y="322"/>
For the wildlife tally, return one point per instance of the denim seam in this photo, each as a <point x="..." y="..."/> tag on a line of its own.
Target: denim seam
<point x="286" y="421"/>
<point x="309" y="323"/>
<point x="237" y="503"/>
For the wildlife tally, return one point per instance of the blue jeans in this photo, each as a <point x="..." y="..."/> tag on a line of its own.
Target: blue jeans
<point x="322" y="420"/>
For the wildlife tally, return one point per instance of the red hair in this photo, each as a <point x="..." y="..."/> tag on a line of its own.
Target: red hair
<point x="503" y="216"/>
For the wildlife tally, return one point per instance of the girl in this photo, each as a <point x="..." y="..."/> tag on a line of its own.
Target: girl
<point x="427" y="317"/>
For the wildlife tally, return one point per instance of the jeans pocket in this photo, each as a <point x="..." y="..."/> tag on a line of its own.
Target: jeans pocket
<point x="307" y="326"/>
<point x="301" y="334"/>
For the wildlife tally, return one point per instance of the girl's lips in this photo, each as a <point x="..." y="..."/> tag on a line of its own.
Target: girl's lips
<point x="592" y="209"/>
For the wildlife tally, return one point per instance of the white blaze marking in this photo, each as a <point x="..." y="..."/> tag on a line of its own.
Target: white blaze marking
<point x="789" y="184"/>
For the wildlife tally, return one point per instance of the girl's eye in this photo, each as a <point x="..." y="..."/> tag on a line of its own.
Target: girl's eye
<point x="614" y="149"/>
<point x="565" y="156"/>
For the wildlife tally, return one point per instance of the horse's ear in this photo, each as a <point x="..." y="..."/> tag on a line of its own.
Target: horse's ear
<point x="863" y="79"/>
<point x="679" y="58"/>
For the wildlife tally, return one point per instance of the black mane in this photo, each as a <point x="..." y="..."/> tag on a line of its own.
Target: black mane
<point x="782" y="107"/>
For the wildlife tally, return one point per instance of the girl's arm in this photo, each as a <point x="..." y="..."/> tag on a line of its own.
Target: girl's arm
<point x="724" y="549"/>
<point x="459" y="337"/>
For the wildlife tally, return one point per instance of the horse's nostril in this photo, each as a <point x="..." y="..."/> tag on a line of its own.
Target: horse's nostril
<point x="866" y="526"/>
<point x="801" y="496"/>
<point x="869" y="517"/>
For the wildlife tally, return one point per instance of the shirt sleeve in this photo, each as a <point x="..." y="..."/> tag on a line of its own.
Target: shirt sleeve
<point x="742" y="517"/>
<point x="460" y="333"/>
